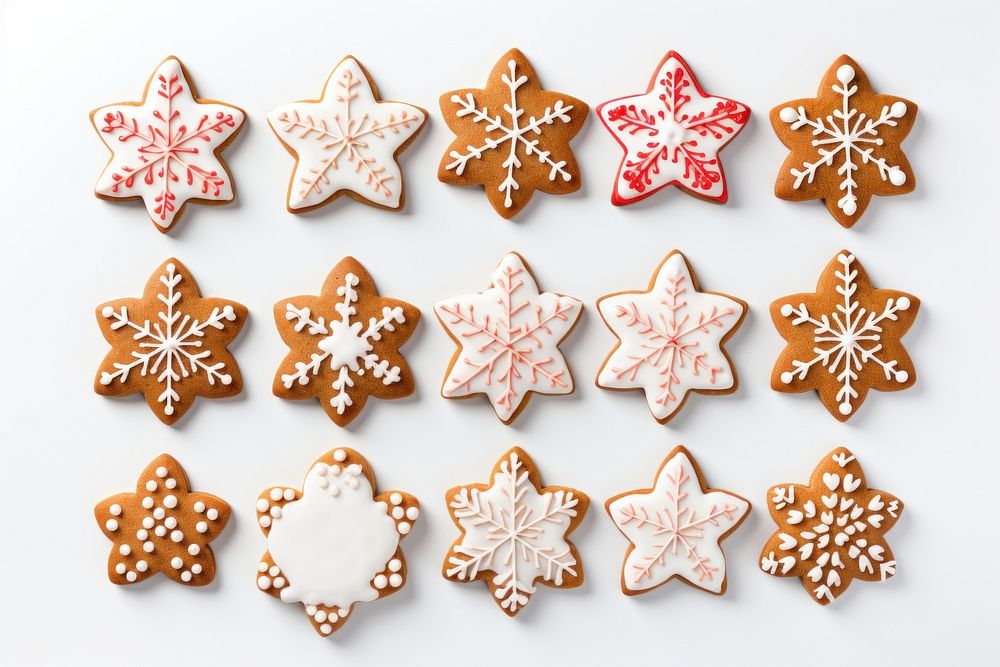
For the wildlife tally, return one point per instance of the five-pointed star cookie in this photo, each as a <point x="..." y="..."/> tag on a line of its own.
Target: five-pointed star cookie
<point x="671" y="339"/>
<point x="170" y="344"/>
<point x="832" y="531"/>
<point x="672" y="135"/>
<point x="344" y="344"/>
<point x="336" y="542"/>
<point x="166" y="149"/>
<point x="676" y="528"/>
<point x="346" y="142"/>
<point x="162" y="527"/>
<point x="512" y="137"/>
<point x="844" y="143"/>
<point x="515" y="533"/>
<point x="844" y="338"/>
<point x="508" y="338"/>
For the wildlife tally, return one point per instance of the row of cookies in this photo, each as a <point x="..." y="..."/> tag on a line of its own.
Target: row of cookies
<point x="841" y="341"/>
<point x="337" y="541"/>
<point x="512" y="138"/>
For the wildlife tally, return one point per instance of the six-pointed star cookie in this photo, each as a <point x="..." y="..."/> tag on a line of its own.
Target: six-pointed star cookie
<point x="844" y="143"/>
<point x="162" y="527"/>
<point x="670" y="339"/>
<point x="508" y="338"/>
<point x="344" y="344"/>
<point x="346" y="142"/>
<point x="672" y="135"/>
<point x="844" y="338"/>
<point x="832" y="531"/>
<point x="676" y="528"/>
<point x="170" y="344"/>
<point x="515" y="532"/>
<point x="166" y="149"/>
<point x="512" y="137"/>
<point x="336" y="542"/>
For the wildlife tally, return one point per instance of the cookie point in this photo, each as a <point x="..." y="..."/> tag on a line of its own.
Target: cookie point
<point x="788" y="114"/>
<point x="845" y="74"/>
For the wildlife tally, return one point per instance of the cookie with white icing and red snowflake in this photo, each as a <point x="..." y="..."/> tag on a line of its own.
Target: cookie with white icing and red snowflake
<point x="508" y="340"/>
<point x="170" y="344"/>
<point x="512" y="137"/>
<point x="163" y="526"/>
<point x="344" y="344"/>
<point x="336" y="542"/>
<point x="676" y="528"/>
<point x="166" y="149"/>
<point x="832" y="531"/>
<point x="346" y="142"/>
<point x="844" y="143"/>
<point x="844" y="339"/>
<point x="671" y="339"/>
<point x="515" y="533"/>
<point x="672" y="135"/>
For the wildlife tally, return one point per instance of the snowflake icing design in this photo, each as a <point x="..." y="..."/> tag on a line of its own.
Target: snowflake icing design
<point x="671" y="339"/>
<point x="672" y="134"/>
<point x="515" y="532"/>
<point x="675" y="528"/>
<point x="347" y="141"/>
<point x="166" y="147"/>
<point x="850" y="341"/>
<point x="508" y="337"/>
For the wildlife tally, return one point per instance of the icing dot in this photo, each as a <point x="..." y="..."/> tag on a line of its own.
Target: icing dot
<point x="398" y="513"/>
<point x="845" y="408"/>
<point x="898" y="109"/>
<point x="334" y="490"/>
<point x="170" y="522"/>
<point x="289" y="494"/>
<point x="147" y="502"/>
<point x="169" y="410"/>
<point x="403" y="528"/>
<point x="786" y="377"/>
<point x="845" y="74"/>
<point x="339" y="455"/>
<point x="897" y="176"/>
<point x="786" y="309"/>
<point x="335" y="471"/>
<point x="160" y="531"/>
<point x="196" y="568"/>
<point x="107" y="311"/>
<point x="396" y="580"/>
<point x="151" y="485"/>
<point x="116" y="510"/>
<point x="262" y="506"/>
<point x="343" y="612"/>
<point x="148" y="547"/>
<point x="263" y="583"/>
<point x="380" y="581"/>
<point x="124" y="550"/>
<point x="185" y="576"/>
<point x="147" y="523"/>
<point x="177" y="536"/>
<point x="159" y="513"/>
<point x="142" y="534"/>
<point x="395" y="564"/>
<point x="903" y="302"/>
<point x="142" y="565"/>
<point x="111" y="525"/>
<point x="261" y="566"/>
<point x="902" y="376"/>
<point x="170" y="502"/>
<point x="326" y="628"/>
<point x="320" y="616"/>
<point x="274" y="571"/>
<point x="264" y="521"/>
<point x="194" y="549"/>
<point x="212" y="514"/>
<point x="311" y="610"/>
<point x="788" y="114"/>
<point x="279" y="582"/>
<point x="850" y="207"/>
<point x="171" y="268"/>
<point x="275" y="512"/>
<point x="170" y="483"/>
<point x="412" y="513"/>
<point x="177" y="562"/>
<point x="201" y="527"/>
<point x="161" y="471"/>
<point x="395" y="498"/>
<point x="275" y="494"/>
<point x="120" y="568"/>
<point x="199" y="506"/>
<point x="131" y="576"/>
<point x="844" y="259"/>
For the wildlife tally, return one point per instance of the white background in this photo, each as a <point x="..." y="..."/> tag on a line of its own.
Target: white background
<point x="64" y="251"/>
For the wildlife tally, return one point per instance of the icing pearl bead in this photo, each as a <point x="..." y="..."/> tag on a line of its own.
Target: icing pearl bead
<point x="177" y="536"/>
<point x="261" y="566"/>
<point x="320" y="616"/>
<point x="124" y="550"/>
<point x="177" y="562"/>
<point x="170" y="522"/>
<point x="194" y="549"/>
<point x="279" y="582"/>
<point x="342" y="612"/>
<point x="396" y="580"/>
<point x="395" y="498"/>
<point x="199" y="506"/>
<point x="262" y="505"/>
<point x="275" y="494"/>
<point x="212" y="514"/>
<point x="339" y="455"/>
<point x="185" y="576"/>
<point x="412" y="513"/>
<point x="148" y="547"/>
<point x="147" y="523"/>
<point x="147" y="502"/>
<point x="398" y="513"/>
<point x="161" y="471"/>
<point x="159" y="513"/>
<point x="263" y="583"/>
<point x="380" y="581"/>
<point x="170" y="483"/>
<point x="395" y="564"/>
<point x="116" y="510"/>
<point x="151" y="485"/>
<point x="131" y="576"/>
<point x="264" y="521"/>
<point x="111" y="525"/>
<point x="403" y="528"/>
<point x="326" y="628"/>
<point x="289" y="494"/>
<point x="142" y="565"/>
<point x="120" y="568"/>
<point x="170" y="502"/>
<point x="142" y="534"/>
<point x="311" y="610"/>
<point x="274" y="571"/>
<point x="160" y="531"/>
<point x="201" y="527"/>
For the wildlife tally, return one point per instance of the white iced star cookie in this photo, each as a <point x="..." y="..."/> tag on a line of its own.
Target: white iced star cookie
<point x="671" y="339"/>
<point x="346" y="142"/>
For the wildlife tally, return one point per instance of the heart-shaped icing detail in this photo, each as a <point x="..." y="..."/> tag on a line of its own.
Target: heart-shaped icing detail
<point x="851" y="483"/>
<point x="832" y="480"/>
<point x="876" y="504"/>
<point x="815" y="574"/>
<point x="787" y="563"/>
<point x="841" y="539"/>
<point x="854" y="551"/>
<point x="876" y="552"/>
<point x="806" y="550"/>
<point x="832" y="578"/>
<point x="787" y="542"/>
<point x="794" y="517"/>
<point x="865" y="565"/>
<point x="876" y="520"/>
<point x="810" y="508"/>
<point x="830" y="500"/>
<point x="845" y="503"/>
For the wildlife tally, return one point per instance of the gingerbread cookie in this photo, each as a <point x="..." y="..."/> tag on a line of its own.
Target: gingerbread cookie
<point x="676" y="528"/>
<point x="844" y="339"/>
<point x="170" y="344"/>
<point x="672" y="135"/>
<point x="844" y="143"/>
<point x="163" y="527"/>
<point x="166" y="149"/>
<point x="346" y="142"/>
<point x="512" y="137"/>
<point x="832" y="531"/>
<point x="508" y="338"/>
<point x="671" y="339"/>
<point x="344" y="344"/>
<point x="335" y="543"/>
<point x="515" y="533"/>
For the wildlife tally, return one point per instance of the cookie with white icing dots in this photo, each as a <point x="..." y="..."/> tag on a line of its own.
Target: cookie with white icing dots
<point x="346" y="142"/>
<point x="166" y="149"/>
<point x="671" y="339"/>
<point x="344" y="344"/>
<point x="515" y="533"/>
<point x="336" y="542"/>
<point x="163" y="526"/>
<point x="832" y="531"/>
<point x="512" y="137"/>
<point x="844" y="143"/>
<point x="675" y="529"/>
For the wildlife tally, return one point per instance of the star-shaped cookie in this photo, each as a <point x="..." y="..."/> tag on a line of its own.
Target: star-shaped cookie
<point x="515" y="533"/>
<point x="163" y="527"/>
<point x="844" y="339"/>
<point x="346" y="142"/>
<point x="844" y="143"/>
<point x="170" y="344"/>
<point x="832" y="531"/>
<point x="336" y="542"/>
<point x="676" y="528"/>
<point x="671" y="339"/>
<point x="512" y="137"/>
<point x="166" y="148"/>
<point x="672" y="135"/>
<point x="344" y="344"/>
<point x="508" y="338"/>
